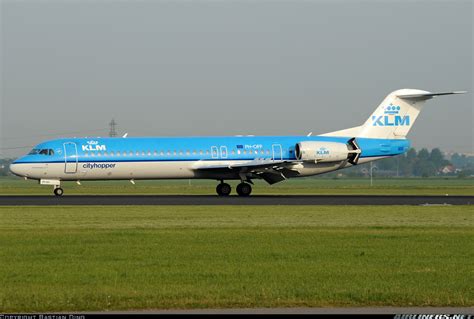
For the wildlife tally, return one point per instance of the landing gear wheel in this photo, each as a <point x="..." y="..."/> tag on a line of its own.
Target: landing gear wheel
<point x="244" y="189"/>
<point x="223" y="189"/>
<point x="58" y="191"/>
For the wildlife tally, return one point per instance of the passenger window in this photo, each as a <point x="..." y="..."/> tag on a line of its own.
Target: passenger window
<point x="112" y="153"/>
<point x="188" y="152"/>
<point x="86" y="154"/>
<point x="92" y="154"/>
<point x="99" y="154"/>
<point x="105" y="153"/>
<point x="180" y="152"/>
<point x="118" y="153"/>
<point x="245" y="152"/>
<point x="200" y="152"/>
<point x="207" y="152"/>
<point x="168" y="153"/>
<point x="233" y="152"/>
<point x="238" y="151"/>
<point x="162" y="153"/>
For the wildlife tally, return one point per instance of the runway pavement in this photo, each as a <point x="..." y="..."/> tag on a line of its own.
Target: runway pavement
<point x="234" y="200"/>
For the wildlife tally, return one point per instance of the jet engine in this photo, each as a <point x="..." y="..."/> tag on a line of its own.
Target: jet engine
<point x="320" y="152"/>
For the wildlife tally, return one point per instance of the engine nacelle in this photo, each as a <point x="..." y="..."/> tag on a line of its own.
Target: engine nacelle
<point x="322" y="151"/>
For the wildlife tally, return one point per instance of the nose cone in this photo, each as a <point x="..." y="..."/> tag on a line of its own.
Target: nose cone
<point x="16" y="169"/>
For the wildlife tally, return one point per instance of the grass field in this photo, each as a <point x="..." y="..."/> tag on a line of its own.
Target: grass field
<point x="394" y="186"/>
<point x="116" y="258"/>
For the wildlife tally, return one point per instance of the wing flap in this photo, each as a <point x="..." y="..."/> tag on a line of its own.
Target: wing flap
<point x="237" y="165"/>
<point x="269" y="170"/>
<point x="272" y="177"/>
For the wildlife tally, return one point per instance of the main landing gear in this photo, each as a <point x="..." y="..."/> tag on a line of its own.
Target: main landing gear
<point x="223" y="189"/>
<point x="243" y="189"/>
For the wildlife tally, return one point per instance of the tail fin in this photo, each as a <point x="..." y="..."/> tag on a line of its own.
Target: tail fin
<point x="394" y="117"/>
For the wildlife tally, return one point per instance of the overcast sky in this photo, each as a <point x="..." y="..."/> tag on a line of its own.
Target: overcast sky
<point x="171" y="68"/>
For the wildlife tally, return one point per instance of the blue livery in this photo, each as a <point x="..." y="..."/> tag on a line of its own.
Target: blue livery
<point x="245" y="158"/>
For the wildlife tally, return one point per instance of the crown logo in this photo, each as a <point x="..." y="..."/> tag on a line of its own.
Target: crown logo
<point x="391" y="109"/>
<point x="92" y="142"/>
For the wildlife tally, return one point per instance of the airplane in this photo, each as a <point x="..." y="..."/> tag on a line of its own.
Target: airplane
<point x="245" y="158"/>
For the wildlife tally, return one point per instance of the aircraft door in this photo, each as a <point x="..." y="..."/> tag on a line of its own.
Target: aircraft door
<point x="277" y="152"/>
<point x="70" y="158"/>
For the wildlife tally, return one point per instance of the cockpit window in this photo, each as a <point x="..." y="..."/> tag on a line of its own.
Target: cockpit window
<point x="44" y="151"/>
<point x="34" y="151"/>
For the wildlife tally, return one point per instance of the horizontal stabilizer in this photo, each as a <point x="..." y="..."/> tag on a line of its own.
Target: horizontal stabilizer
<point x="427" y="95"/>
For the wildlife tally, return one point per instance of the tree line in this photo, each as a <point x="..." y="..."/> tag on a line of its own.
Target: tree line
<point x="422" y="163"/>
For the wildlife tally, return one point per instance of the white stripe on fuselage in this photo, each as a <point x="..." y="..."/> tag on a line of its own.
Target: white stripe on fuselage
<point x="121" y="170"/>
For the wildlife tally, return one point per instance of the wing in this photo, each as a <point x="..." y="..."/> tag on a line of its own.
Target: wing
<point x="272" y="171"/>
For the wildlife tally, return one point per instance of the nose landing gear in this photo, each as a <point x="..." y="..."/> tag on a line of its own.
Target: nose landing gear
<point x="58" y="191"/>
<point x="56" y="183"/>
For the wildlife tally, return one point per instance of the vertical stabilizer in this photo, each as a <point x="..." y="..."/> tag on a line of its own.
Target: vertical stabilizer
<point x="394" y="117"/>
